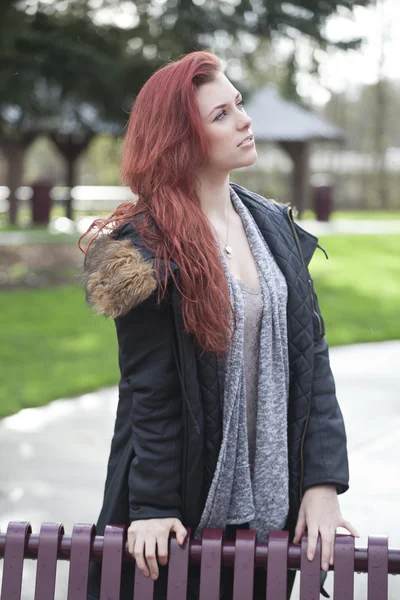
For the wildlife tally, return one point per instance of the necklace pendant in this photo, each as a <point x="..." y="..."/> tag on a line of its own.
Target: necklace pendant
<point x="228" y="251"/>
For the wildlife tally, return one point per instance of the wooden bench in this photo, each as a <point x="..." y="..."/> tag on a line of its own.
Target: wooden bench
<point x="51" y="544"/>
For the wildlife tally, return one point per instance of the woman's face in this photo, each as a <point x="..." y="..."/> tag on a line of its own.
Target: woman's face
<point x="225" y="127"/>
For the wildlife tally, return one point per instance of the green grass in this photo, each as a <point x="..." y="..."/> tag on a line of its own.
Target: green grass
<point x="40" y="235"/>
<point x="53" y="346"/>
<point x="359" y="287"/>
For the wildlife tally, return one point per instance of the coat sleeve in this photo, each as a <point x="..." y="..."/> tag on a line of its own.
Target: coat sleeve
<point x="147" y="361"/>
<point x="325" y="453"/>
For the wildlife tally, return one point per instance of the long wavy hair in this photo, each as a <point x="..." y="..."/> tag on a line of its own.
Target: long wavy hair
<point x="164" y="147"/>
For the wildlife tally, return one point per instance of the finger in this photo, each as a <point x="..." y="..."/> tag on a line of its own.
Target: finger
<point x="347" y="525"/>
<point x="131" y="541"/>
<point x="150" y="554"/>
<point x="325" y="549"/>
<point x="162" y="549"/>
<point x="300" y="528"/>
<point x="180" y="531"/>
<point x="312" y="542"/>
<point x="332" y="550"/>
<point x="139" y="556"/>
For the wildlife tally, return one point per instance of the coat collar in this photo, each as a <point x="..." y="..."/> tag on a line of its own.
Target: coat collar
<point x="274" y="221"/>
<point x="119" y="272"/>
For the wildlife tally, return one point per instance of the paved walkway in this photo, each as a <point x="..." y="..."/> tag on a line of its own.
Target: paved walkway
<point x="53" y="459"/>
<point x="354" y="226"/>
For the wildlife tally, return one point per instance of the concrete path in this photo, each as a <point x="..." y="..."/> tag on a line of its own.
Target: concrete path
<point x="53" y="459"/>
<point x="353" y="226"/>
<point x="350" y="226"/>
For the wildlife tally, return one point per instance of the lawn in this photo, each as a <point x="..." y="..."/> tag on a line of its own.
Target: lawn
<point x="38" y="235"/>
<point x="359" y="287"/>
<point x="53" y="346"/>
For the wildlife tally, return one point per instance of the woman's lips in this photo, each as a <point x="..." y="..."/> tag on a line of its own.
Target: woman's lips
<point x="247" y="143"/>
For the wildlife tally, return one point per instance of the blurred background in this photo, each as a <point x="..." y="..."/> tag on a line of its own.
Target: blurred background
<point x="320" y="79"/>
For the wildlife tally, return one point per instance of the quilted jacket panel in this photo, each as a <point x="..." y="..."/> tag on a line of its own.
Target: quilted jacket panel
<point x="178" y="399"/>
<point x="311" y="380"/>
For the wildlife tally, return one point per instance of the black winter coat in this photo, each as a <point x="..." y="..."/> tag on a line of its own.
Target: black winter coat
<point x="168" y="427"/>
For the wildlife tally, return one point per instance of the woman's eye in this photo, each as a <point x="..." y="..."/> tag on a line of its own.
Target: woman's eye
<point x="217" y="118"/>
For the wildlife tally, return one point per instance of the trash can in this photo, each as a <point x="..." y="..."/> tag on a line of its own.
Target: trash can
<point x="322" y="197"/>
<point x="41" y="201"/>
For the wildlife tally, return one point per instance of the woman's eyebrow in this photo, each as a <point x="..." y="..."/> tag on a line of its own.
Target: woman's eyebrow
<point x="238" y="95"/>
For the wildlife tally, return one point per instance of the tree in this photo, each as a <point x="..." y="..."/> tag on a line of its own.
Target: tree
<point x="55" y="79"/>
<point x="188" y="20"/>
<point x="65" y="73"/>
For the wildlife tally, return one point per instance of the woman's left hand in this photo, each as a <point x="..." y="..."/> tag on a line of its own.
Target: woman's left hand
<point x="320" y="514"/>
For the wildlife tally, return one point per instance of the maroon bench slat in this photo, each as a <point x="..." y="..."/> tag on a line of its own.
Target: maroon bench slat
<point x="343" y="582"/>
<point x="81" y="543"/>
<point x="144" y="586"/>
<point x="243" y="574"/>
<point x="210" y="566"/>
<point x="16" y="536"/>
<point x="378" y="565"/>
<point x="210" y="553"/>
<point x="278" y="543"/>
<point x="112" y="562"/>
<point x="178" y="566"/>
<point x="46" y="569"/>
<point x="310" y="572"/>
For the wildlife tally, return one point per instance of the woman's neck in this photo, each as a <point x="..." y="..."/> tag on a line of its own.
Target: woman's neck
<point x="214" y="195"/>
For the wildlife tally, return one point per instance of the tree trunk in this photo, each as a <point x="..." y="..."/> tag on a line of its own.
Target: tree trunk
<point x="70" y="181"/>
<point x="14" y="151"/>
<point x="15" y="163"/>
<point x="71" y="146"/>
<point x="299" y="153"/>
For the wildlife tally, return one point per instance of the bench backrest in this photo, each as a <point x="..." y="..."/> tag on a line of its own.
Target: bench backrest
<point x="210" y="552"/>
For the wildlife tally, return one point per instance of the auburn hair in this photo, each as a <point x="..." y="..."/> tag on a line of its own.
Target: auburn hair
<point x="164" y="147"/>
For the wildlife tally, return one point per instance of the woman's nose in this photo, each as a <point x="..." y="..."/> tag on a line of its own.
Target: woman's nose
<point x="246" y="121"/>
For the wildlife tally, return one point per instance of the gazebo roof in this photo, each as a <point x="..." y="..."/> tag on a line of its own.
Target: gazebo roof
<point x="278" y="120"/>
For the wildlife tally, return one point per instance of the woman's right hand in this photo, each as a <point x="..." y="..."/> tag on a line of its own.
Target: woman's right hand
<point x="144" y="536"/>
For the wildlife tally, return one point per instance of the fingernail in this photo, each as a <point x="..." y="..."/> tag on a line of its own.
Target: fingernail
<point x="309" y="557"/>
<point x="325" y="566"/>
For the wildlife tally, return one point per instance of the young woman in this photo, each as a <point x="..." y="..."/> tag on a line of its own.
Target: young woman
<point x="227" y="413"/>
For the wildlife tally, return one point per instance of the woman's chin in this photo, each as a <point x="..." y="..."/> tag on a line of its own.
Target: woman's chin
<point x="249" y="160"/>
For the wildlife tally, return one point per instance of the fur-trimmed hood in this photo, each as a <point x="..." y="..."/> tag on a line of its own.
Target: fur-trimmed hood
<point x="119" y="272"/>
<point x="116" y="276"/>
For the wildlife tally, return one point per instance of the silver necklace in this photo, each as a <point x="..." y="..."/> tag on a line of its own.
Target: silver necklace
<point x="228" y="249"/>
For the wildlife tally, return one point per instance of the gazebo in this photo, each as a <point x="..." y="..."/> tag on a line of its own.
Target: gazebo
<point x="276" y="120"/>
